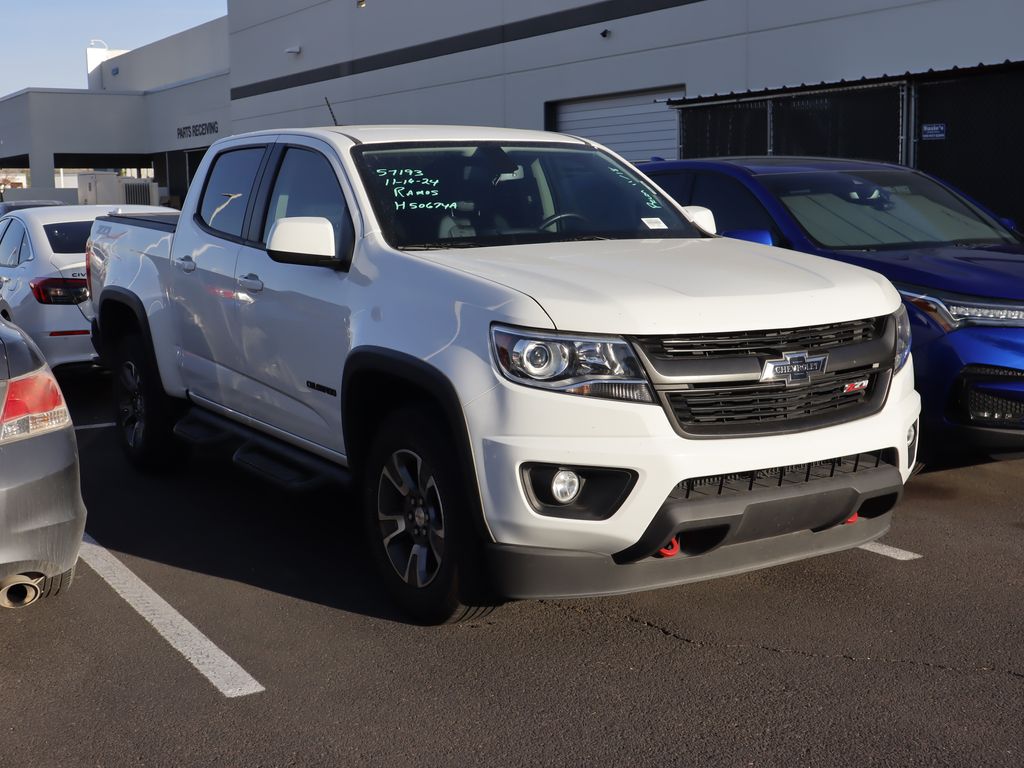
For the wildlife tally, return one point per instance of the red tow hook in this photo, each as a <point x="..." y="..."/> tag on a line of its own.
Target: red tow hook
<point x="852" y="519"/>
<point x="671" y="549"/>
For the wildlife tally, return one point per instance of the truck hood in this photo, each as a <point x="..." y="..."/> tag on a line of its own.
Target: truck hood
<point x="678" y="286"/>
<point x="995" y="272"/>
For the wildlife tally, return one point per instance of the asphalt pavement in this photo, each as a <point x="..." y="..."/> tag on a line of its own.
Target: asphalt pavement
<point x="851" y="659"/>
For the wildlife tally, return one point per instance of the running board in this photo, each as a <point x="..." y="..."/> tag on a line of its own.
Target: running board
<point x="283" y="465"/>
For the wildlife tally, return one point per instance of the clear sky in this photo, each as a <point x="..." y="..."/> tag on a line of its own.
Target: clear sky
<point x="44" y="41"/>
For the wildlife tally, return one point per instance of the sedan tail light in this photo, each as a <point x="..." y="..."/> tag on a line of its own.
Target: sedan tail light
<point x="60" y="290"/>
<point x="32" y="405"/>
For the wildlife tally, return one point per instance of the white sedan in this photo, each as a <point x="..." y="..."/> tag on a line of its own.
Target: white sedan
<point x="42" y="276"/>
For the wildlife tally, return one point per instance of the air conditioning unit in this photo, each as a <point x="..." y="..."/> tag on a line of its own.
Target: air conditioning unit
<point x="106" y="187"/>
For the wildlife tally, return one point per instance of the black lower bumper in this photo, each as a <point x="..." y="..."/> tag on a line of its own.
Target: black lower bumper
<point x="42" y="516"/>
<point x="527" y="572"/>
<point x="756" y="530"/>
<point x="949" y="438"/>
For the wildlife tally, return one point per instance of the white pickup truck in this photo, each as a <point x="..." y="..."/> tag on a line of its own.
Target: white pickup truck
<point x="543" y="378"/>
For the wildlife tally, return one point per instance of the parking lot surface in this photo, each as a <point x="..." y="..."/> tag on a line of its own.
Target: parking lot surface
<point x="859" y="658"/>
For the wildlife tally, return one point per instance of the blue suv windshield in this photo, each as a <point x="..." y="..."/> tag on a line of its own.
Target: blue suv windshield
<point x="447" y="195"/>
<point x="885" y="209"/>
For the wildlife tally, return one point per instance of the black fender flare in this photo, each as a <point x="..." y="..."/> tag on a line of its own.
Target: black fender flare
<point x="422" y="376"/>
<point x="122" y="296"/>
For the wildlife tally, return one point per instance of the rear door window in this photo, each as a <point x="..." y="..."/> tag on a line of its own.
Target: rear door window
<point x="679" y="185"/>
<point x="229" y="187"/>
<point x="733" y="205"/>
<point x="68" y="237"/>
<point x="10" y="244"/>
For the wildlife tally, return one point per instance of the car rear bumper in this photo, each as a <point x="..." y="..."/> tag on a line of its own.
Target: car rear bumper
<point x="42" y="516"/>
<point x="67" y="350"/>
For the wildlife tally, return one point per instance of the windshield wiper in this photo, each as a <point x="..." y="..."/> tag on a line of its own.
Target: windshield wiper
<point x="439" y="245"/>
<point x="579" y="238"/>
<point x="974" y="243"/>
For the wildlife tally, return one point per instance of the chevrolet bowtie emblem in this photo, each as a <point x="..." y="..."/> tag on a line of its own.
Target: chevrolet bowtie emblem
<point x="794" y="367"/>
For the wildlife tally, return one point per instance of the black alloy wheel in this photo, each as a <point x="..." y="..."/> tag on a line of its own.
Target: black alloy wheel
<point x="417" y="519"/>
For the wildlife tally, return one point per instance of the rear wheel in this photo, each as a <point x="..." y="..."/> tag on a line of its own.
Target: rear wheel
<point x="417" y="522"/>
<point x="144" y="411"/>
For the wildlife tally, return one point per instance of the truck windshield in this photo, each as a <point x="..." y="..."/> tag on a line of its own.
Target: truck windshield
<point x="878" y="210"/>
<point x="463" y="195"/>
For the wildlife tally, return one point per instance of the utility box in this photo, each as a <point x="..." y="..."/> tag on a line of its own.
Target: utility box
<point x="106" y="187"/>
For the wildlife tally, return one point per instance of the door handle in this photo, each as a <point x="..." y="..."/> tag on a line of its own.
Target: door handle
<point x="185" y="264"/>
<point x="251" y="282"/>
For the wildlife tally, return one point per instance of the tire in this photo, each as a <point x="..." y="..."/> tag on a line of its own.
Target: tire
<point x="145" y="414"/>
<point x="417" y="521"/>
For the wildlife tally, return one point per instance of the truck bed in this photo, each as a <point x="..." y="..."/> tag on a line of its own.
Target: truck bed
<point x="162" y="221"/>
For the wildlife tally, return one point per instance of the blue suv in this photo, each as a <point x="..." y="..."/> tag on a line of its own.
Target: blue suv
<point x="959" y="267"/>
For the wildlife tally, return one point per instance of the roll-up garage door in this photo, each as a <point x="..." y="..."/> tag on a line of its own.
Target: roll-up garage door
<point x="637" y="125"/>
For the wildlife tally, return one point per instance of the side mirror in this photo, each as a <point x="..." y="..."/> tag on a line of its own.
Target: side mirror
<point x="702" y="217"/>
<point x="761" y="236"/>
<point x="304" y="240"/>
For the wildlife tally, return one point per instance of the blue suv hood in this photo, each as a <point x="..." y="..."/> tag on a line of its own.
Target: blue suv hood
<point x="989" y="271"/>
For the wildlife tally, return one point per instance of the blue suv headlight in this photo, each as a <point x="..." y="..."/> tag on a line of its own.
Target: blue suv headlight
<point x="950" y="311"/>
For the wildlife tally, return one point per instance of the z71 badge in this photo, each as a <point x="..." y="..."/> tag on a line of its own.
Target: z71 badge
<point x="794" y="367"/>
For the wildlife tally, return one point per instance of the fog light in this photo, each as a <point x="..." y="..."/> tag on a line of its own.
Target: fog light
<point x="565" y="486"/>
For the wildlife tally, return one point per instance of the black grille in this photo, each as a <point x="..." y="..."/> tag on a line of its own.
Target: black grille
<point x="752" y="343"/>
<point x="992" y="370"/>
<point x="971" y="403"/>
<point x="716" y="409"/>
<point x="998" y="410"/>
<point x="777" y="477"/>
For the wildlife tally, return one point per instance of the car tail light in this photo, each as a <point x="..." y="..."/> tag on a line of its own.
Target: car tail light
<point x="32" y="405"/>
<point x="60" y="290"/>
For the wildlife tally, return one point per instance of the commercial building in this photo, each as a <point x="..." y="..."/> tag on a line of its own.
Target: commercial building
<point x="935" y="84"/>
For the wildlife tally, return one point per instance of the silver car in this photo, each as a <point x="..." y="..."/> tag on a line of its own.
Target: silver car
<point x="42" y="516"/>
<point x="42" y="276"/>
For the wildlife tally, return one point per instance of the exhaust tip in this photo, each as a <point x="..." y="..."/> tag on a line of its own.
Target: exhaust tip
<point x="19" y="591"/>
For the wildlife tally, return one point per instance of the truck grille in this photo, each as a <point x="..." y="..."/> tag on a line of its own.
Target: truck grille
<point x="811" y="338"/>
<point x="710" y="384"/>
<point x="715" y="409"/>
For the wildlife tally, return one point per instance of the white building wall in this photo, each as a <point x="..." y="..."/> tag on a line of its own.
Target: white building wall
<point x="15" y="128"/>
<point x="195" y="53"/>
<point x="41" y="122"/>
<point x="190" y="115"/>
<point x="713" y="46"/>
<point x="168" y="89"/>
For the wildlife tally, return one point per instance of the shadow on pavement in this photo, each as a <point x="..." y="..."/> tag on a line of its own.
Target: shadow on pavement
<point x="205" y="515"/>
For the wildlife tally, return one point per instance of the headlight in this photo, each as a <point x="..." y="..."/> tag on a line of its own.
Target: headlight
<point x="950" y="311"/>
<point x="902" y="337"/>
<point x="577" y="365"/>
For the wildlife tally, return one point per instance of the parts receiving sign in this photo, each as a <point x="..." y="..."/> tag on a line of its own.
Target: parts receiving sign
<point x="198" y="129"/>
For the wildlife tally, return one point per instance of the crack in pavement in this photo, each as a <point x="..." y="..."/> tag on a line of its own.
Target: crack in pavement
<point x="646" y="623"/>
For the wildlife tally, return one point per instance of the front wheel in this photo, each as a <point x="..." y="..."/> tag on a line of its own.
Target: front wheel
<point x="417" y="522"/>
<point x="144" y="411"/>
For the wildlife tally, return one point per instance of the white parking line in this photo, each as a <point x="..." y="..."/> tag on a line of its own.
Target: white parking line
<point x="104" y="425"/>
<point x="887" y="551"/>
<point x="219" y="668"/>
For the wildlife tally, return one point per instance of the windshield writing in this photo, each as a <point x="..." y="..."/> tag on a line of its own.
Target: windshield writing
<point x="489" y="194"/>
